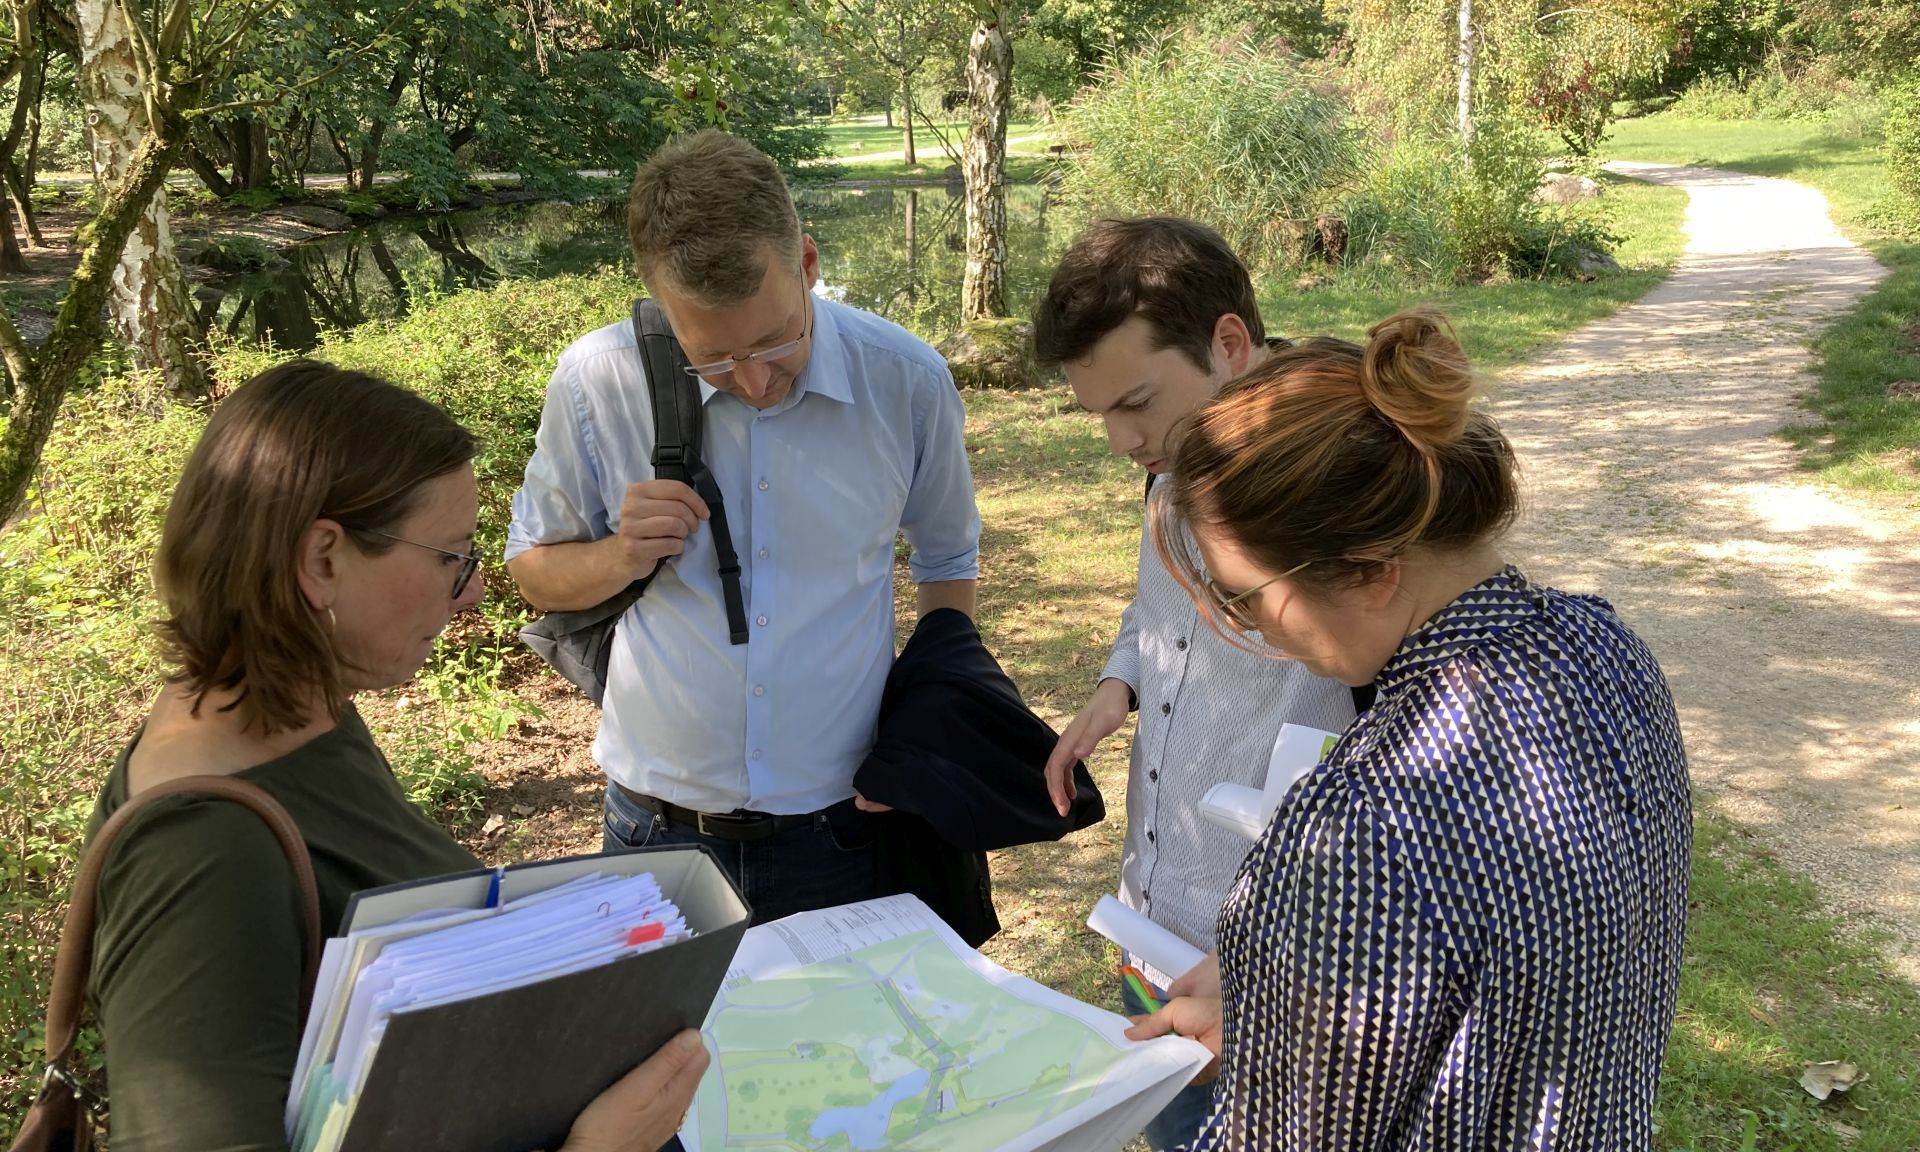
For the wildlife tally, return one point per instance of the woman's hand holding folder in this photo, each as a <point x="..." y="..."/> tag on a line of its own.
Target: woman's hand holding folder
<point x="643" y="1109"/>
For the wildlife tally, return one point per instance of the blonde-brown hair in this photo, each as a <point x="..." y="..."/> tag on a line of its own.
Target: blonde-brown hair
<point x="299" y="442"/>
<point x="1343" y="457"/>
<point x="703" y="212"/>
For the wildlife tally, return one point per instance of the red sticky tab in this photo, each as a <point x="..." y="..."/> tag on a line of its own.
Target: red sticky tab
<point x="646" y="933"/>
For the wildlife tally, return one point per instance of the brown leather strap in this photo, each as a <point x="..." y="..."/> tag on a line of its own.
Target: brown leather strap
<point x="73" y="962"/>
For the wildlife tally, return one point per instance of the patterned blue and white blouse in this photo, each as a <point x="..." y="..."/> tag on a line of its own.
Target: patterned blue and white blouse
<point x="1463" y="929"/>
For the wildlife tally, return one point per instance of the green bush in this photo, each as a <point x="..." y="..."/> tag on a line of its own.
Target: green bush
<point x="1428" y="212"/>
<point x="1776" y="90"/>
<point x="1241" y="140"/>
<point x="1902" y="128"/>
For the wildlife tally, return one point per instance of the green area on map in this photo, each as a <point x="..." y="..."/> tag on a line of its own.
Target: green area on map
<point x="899" y="1045"/>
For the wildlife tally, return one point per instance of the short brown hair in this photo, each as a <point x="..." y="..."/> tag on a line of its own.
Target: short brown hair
<point x="297" y="443"/>
<point x="704" y="208"/>
<point x="1177" y="273"/>
<point x="1344" y="456"/>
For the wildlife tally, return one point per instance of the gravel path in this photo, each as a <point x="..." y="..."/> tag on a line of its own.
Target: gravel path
<point x="1786" y="614"/>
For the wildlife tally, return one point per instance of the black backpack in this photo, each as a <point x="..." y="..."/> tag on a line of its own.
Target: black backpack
<point x="577" y="644"/>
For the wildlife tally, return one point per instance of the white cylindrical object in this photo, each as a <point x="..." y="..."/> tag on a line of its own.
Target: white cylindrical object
<point x="1142" y="937"/>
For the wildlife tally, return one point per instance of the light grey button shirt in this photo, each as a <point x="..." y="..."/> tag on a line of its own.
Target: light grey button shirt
<point x="1209" y="712"/>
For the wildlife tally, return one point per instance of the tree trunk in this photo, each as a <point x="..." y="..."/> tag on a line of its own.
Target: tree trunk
<point x="906" y="113"/>
<point x="11" y="260"/>
<point x="889" y="115"/>
<point x="207" y="169"/>
<point x="151" y="307"/>
<point x="29" y="66"/>
<point x="989" y="84"/>
<point x="252" y="161"/>
<point x="1463" y="111"/>
<point x="370" y="155"/>
<point x="43" y="377"/>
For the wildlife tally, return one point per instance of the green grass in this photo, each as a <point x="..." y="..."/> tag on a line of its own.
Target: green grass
<point x="1503" y="324"/>
<point x="851" y="140"/>
<point x="1865" y="439"/>
<point x="1020" y="169"/>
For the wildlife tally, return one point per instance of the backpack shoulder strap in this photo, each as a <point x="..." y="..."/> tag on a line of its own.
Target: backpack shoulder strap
<point x="677" y="423"/>
<point x="673" y="391"/>
<point x="74" y="961"/>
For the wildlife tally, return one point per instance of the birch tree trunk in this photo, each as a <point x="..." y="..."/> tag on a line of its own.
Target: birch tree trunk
<point x="989" y="86"/>
<point x="149" y="304"/>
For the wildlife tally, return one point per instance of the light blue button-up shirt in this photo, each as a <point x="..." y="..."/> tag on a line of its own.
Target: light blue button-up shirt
<point x="868" y="444"/>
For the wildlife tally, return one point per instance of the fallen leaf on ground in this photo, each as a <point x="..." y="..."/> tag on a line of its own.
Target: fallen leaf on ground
<point x="1846" y="1132"/>
<point x="496" y="822"/>
<point x="523" y="809"/>
<point x="1823" y="1079"/>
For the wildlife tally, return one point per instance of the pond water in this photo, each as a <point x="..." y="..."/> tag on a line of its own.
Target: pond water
<point x="865" y="1127"/>
<point x="898" y="252"/>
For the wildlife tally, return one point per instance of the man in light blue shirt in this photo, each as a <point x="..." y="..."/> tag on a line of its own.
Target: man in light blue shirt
<point x="829" y="431"/>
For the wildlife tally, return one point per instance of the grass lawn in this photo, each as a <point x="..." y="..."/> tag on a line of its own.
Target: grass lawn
<point x="1771" y="982"/>
<point x="852" y="140"/>
<point x="1867" y="439"/>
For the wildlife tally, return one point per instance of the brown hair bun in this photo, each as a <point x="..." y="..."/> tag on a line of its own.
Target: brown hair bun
<point x="1414" y="373"/>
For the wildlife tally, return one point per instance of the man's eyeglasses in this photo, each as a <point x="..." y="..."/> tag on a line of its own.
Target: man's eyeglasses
<point x="1235" y="608"/>
<point x="469" y="563"/>
<point x="721" y="369"/>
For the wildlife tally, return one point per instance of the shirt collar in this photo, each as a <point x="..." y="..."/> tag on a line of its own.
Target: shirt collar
<point x="826" y="370"/>
<point x="1488" y="608"/>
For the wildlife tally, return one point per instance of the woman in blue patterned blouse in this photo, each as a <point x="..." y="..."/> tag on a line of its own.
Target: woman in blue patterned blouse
<point x="1463" y="929"/>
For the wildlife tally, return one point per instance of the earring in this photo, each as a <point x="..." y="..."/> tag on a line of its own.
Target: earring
<point x="333" y="624"/>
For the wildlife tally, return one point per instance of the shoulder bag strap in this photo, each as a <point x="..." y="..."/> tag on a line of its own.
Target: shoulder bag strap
<point x="74" y="960"/>
<point x="677" y="416"/>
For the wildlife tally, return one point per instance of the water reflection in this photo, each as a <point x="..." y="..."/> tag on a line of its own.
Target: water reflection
<point x="899" y="252"/>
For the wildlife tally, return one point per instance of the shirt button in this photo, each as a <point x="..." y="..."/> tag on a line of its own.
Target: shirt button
<point x="762" y="621"/>
<point x="1165" y="709"/>
<point x="763" y="553"/>
<point x="1153" y="773"/>
<point x="759" y="689"/>
<point x="756" y="756"/>
<point x="1181" y="643"/>
<point x="763" y="485"/>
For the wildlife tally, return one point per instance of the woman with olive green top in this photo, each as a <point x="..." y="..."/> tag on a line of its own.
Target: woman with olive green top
<point x="198" y="955"/>
<point x="320" y="539"/>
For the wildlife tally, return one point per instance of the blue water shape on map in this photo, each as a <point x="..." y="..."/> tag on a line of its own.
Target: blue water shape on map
<point x="866" y="1127"/>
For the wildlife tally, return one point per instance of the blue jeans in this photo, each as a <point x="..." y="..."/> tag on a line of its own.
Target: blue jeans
<point x="826" y="863"/>
<point x="1179" y="1122"/>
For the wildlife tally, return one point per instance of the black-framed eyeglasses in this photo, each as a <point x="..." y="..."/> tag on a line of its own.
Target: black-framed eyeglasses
<point x="469" y="563"/>
<point x="721" y="369"/>
<point x="1234" y="608"/>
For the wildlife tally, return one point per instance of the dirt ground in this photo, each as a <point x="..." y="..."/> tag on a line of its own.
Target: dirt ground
<point x="1785" y="613"/>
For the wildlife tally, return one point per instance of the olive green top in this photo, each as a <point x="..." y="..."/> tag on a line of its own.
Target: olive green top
<point x="197" y="953"/>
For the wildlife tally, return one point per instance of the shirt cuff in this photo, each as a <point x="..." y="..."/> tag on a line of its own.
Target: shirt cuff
<point x="1124" y="666"/>
<point x="965" y="566"/>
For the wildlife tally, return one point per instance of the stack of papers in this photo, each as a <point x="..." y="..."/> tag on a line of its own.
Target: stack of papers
<point x="443" y="956"/>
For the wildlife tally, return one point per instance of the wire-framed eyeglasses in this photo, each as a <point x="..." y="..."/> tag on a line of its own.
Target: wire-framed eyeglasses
<point x="1235" y="608"/>
<point x="469" y="563"/>
<point x="721" y="369"/>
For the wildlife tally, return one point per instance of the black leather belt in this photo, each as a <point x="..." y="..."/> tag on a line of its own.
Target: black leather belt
<point x="742" y="826"/>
